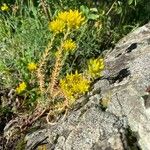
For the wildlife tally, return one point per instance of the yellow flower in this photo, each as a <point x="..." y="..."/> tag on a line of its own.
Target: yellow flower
<point x="67" y="19"/>
<point x="57" y="26"/>
<point x="63" y="16"/>
<point x="4" y="7"/>
<point x="32" y="66"/>
<point x="74" y="85"/>
<point x="69" y="45"/>
<point x="72" y="18"/>
<point x="22" y="86"/>
<point x="95" y="67"/>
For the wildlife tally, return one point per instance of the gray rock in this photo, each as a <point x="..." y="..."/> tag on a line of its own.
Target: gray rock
<point x="125" y="124"/>
<point x="83" y="128"/>
<point x="127" y="89"/>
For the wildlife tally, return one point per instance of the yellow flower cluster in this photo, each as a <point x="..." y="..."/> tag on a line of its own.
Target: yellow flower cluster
<point x="71" y="19"/>
<point x="69" y="45"/>
<point x="73" y="85"/>
<point x="4" y="7"/>
<point x="95" y="67"/>
<point x="57" y="26"/>
<point x="32" y="66"/>
<point x="21" y="87"/>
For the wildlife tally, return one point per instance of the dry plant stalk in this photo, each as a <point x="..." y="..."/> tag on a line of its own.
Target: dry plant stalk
<point x="57" y="68"/>
<point x="59" y="110"/>
<point x="27" y="122"/>
<point x="40" y="70"/>
<point x="44" y="7"/>
<point x="55" y="73"/>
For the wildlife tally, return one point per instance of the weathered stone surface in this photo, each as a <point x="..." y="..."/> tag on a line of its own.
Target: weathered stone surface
<point x="81" y="130"/>
<point x="87" y="127"/>
<point x="127" y="91"/>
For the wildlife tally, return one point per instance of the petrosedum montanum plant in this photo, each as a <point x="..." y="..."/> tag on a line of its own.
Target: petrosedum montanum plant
<point x="32" y="66"/>
<point x="64" y="24"/>
<point x="21" y="87"/>
<point x="57" y="92"/>
<point x="74" y="85"/>
<point x="4" y="7"/>
<point x="95" y="67"/>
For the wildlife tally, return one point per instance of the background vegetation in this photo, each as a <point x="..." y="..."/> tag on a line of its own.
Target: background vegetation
<point x="24" y="32"/>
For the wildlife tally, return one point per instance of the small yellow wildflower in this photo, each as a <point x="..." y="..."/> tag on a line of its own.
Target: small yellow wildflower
<point x="95" y="67"/>
<point x="57" y="26"/>
<point x="69" y="45"/>
<point x="73" y="85"/>
<point x="4" y="7"/>
<point x="32" y="66"/>
<point x="63" y="16"/>
<point x="72" y="18"/>
<point x="22" y="86"/>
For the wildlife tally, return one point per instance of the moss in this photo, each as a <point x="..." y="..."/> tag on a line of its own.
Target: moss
<point x="132" y="140"/>
<point x="21" y="144"/>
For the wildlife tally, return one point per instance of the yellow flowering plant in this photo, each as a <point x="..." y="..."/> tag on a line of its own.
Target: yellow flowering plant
<point x="21" y="87"/>
<point x="69" y="45"/>
<point x="67" y="20"/>
<point x="57" y="26"/>
<point x="95" y="67"/>
<point x="57" y="92"/>
<point x="74" y="85"/>
<point x="72" y="18"/>
<point x="32" y="66"/>
<point x="63" y="23"/>
<point x="4" y="7"/>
